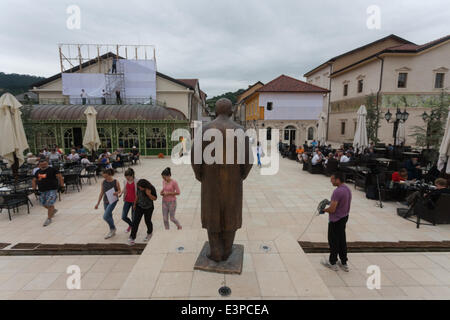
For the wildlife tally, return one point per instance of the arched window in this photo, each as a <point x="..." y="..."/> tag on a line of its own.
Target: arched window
<point x="128" y="137"/>
<point x="269" y="134"/>
<point x="105" y="137"/>
<point x="155" y="138"/>
<point x="45" y="138"/>
<point x="310" y="133"/>
<point x="68" y="138"/>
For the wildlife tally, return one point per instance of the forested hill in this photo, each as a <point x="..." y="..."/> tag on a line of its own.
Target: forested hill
<point x="16" y="83"/>
<point x="230" y="95"/>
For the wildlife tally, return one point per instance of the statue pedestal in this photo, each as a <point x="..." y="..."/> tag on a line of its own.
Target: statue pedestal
<point x="233" y="265"/>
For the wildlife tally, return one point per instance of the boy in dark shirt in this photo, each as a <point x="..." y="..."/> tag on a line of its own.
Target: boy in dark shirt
<point x="46" y="180"/>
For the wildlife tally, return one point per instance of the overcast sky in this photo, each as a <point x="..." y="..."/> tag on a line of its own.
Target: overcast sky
<point x="226" y="44"/>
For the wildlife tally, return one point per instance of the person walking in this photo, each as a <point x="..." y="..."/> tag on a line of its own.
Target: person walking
<point x="338" y="216"/>
<point x="45" y="181"/>
<point x="129" y="192"/>
<point x="109" y="191"/>
<point x="169" y="201"/>
<point x="259" y="153"/>
<point x="143" y="206"/>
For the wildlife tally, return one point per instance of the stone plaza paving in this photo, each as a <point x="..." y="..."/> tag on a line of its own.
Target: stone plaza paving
<point x="276" y="211"/>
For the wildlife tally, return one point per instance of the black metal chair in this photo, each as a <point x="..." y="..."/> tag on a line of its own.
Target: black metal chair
<point x="72" y="179"/>
<point x="127" y="161"/>
<point x="89" y="173"/>
<point x="14" y="201"/>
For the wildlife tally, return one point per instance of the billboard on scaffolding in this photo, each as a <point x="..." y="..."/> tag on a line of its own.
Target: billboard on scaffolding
<point x="92" y="83"/>
<point x="140" y="78"/>
<point x="137" y="78"/>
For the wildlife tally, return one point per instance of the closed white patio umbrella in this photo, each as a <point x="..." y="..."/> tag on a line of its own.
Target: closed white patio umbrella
<point x="401" y="133"/>
<point x="360" y="141"/>
<point x="91" y="139"/>
<point x="13" y="140"/>
<point x="322" y="129"/>
<point x="444" y="150"/>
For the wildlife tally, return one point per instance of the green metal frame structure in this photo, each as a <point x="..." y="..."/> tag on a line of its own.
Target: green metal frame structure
<point x="151" y="137"/>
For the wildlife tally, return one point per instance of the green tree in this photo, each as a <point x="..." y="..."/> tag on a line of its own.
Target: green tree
<point x="373" y="118"/>
<point x="430" y="135"/>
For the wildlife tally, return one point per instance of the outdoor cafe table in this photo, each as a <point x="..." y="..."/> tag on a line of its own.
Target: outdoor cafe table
<point x="5" y="190"/>
<point x="411" y="153"/>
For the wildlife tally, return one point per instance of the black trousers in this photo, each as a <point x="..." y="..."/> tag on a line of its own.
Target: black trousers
<point x="147" y="213"/>
<point x="337" y="240"/>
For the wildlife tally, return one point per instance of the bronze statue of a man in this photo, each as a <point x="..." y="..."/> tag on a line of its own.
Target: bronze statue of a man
<point x="221" y="191"/>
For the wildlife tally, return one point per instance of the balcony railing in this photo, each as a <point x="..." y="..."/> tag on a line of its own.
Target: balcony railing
<point x="109" y="101"/>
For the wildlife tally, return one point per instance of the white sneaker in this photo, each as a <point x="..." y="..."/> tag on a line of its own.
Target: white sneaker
<point x="344" y="267"/>
<point x="47" y="222"/>
<point x="110" y="234"/>
<point x="327" y="264"/>
<point x="131" y="242"/>
<point x="148" y="237"/>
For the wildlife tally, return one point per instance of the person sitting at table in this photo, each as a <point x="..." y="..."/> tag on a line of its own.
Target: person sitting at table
<point x="345" y="157"/>
<point x="73" y="156"/>
<point x="329" y="157"/>
<point x="31" y="159"/>
<point x="430" y="199"/>
<point x="134" y="154"/>
<point x="315" y="151"/>
<point x="81" y="150"/>
<point x="305" y="145"/>
<point x="116" y="161"/>
<point x="317" y="158"/>
<point x="54" y="156"/>
<point x="104" y="162"/>
<point x="413" y="167"/>
<point x="401" y="175"/>
<point x="299" y="152"/>
<point x="85" y="161"/>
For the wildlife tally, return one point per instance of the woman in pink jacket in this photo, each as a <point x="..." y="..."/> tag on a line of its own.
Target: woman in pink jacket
<point x="169" y="202"/>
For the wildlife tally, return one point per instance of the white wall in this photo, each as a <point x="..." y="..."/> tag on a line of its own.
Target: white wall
<point x="292" y="106"/>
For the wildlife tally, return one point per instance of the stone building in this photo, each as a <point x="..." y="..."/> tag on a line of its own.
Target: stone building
<point x="287" y="104"/>
<point x="388" y="70"/>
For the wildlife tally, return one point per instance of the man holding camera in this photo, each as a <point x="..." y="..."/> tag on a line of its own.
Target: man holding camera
<point x="338" y="216"/>
<point x="46" y="180"/>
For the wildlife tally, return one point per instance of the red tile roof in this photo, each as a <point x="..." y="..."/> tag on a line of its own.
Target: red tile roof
<point x="190" y="82"/>
<point x="288" y="84"/>
<point x="414" y="47"/>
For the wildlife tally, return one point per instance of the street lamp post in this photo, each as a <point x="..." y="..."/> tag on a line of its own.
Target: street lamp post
<point x="399" y="116"/>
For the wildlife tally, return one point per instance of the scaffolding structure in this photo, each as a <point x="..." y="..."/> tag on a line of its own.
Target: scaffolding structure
<point x="71" y="54"/>
<point x="76" y="57"/>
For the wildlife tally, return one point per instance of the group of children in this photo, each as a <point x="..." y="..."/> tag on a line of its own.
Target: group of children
<point x="138" y="195"/>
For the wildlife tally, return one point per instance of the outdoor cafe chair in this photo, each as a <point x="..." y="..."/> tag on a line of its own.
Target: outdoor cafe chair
<point x="89" y="172"/>
<point x="72" y="179"/>
<point x="14" y="201"/>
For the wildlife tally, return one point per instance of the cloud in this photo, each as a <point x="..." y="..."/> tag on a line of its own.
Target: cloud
<point x="227" y="45"/>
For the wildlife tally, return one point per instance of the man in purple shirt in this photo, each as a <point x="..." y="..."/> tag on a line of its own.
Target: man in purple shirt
<point x="338" y="217"/>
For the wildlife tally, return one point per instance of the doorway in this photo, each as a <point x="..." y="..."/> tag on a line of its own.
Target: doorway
<point x="289" y="135"/>
<point x="77" y="137"/>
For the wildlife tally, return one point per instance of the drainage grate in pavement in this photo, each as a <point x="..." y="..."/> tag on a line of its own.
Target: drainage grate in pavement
<point x="380" y="246"/>
<point x="4" y="245"/>
<point x="74" y="249"/>
<point x="25" y="246"/>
